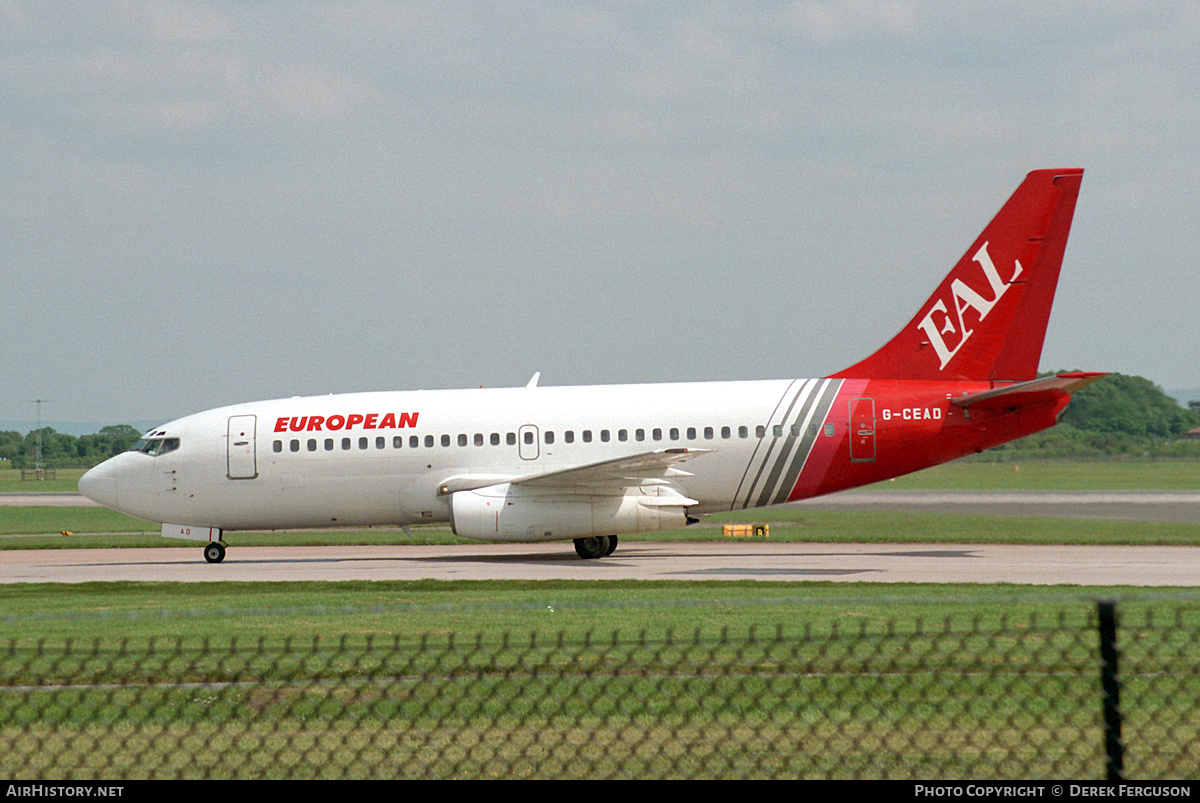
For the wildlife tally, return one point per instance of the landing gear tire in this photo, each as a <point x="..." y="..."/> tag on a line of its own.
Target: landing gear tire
<point x="594" y="546"/>
<point x="612" y="545"/>
<point x="214" y="552"/>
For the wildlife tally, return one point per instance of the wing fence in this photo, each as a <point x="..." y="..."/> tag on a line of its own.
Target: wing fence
<point x="1003" y="700"/>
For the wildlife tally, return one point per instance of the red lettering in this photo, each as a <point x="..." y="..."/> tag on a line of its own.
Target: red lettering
<point x="318" y="423"/>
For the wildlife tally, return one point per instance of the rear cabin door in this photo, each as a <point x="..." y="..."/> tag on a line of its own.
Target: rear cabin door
<point x="862" y="430"/>
<point x="243" y="463"/>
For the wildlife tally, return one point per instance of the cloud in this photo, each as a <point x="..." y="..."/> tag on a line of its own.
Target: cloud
<point x="840" y="20"/>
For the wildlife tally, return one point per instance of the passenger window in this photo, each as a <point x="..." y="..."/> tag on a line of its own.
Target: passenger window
<point x="656" y="433"/>
<point x="380" y="442"/>
<point x="639" y="434"/>
<point x="587" y="436"/>
<point x="294" y="445"/>
<point x="413" y="441"/>
<point x="428" y="441"/>
<point x="312" y="444"/>
<point x="445" y="440"/>
<point x="549" y="436"/>
<point x="362" y="443"/>
<point x="743" y="432"/>
<point x="725" y="432"/>
<point x="674" y="433"/>
<point x="462" y="439"/>
<point x="495" y="438"/>
<point x="510" y="438"/>
<point x="691" y="433"/>
<point x="329" y="444"/>
<point x="398" y="442"/>
<point x="345" y="443"/>
<point x="622" y="435"/>
<point x="569" y="436"/>
<point x="708" y="433"/>
<point x="277" y="446"/>
<point x="604" y="435"/>
<point x="829" y="430"/>
<point x="528" y="437"/>
<point x="759" y="431"/>
<point x="777" y="430"/>
<point x="479" y="439"/>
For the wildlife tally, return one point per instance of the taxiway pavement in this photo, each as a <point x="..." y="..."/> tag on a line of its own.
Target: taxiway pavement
<point x="1164" y="566"/>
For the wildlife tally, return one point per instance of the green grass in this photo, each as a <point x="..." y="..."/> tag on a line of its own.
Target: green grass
<point x="97" y="528"/>
<point x="34" y="519"/>
<point x="1116" y="475"/>
<point x="140" y="610"/>
<point x="66" y="481"/>
<point x="522" y="679"/>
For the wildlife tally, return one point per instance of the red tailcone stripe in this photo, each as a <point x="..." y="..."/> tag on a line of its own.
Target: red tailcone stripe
<point x="825" y="448"/>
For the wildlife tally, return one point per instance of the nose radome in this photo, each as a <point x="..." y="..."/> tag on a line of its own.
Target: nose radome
<point x="100" y="485"/>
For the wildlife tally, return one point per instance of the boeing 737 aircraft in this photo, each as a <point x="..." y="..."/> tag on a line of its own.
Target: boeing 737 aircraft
<point x="536" y="464"/>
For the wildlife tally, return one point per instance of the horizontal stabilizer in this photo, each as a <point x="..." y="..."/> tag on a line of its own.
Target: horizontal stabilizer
<point x="1047" y="388"/>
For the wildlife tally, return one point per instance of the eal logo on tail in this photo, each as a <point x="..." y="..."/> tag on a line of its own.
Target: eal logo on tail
<point x="938" y="322"/>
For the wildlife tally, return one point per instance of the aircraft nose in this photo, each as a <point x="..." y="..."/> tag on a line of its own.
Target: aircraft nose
<point x="100" y="485"/>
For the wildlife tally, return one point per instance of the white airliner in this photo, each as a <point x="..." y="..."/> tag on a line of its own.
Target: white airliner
<point x="536" y="464"/>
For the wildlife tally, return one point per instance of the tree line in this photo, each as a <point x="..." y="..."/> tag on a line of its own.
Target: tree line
<point x="1119" y="415"/>
<point x="60" y="450"/>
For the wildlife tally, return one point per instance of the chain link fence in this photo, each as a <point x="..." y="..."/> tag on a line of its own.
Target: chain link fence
<point x="1005" y="700"/>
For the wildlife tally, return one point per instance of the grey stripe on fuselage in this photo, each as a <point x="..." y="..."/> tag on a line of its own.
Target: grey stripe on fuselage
<point x="810" y="428"/>
<point x="810" y="405"/>
<point x="771" y="465"/>
<point x="762" y="446"/>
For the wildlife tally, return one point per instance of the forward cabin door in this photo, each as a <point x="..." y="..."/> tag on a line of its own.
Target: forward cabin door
<point x="862" y="430"/>
<point x="243" y="463"/>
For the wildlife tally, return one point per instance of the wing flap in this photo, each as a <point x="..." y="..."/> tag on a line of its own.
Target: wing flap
<point x="617" y="473"/>
<point x="631" y="470"/>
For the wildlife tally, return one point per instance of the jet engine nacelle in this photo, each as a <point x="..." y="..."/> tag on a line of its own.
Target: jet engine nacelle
<point x="515" y="513"/>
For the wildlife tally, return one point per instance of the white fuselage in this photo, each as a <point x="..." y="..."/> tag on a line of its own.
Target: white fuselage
<point x="382" y="458"/>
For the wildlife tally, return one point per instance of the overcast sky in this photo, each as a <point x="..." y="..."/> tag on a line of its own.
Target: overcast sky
<point x="210" y="202"/>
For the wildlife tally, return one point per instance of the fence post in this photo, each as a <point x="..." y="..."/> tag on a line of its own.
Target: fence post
<point x="1110" y="685"/>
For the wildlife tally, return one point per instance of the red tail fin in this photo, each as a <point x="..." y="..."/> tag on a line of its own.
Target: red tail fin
<point x="988" y="318"/>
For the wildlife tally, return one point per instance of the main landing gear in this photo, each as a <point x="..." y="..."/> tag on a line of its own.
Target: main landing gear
<point x="214" y="552"/>
<point x="595" y="546"/>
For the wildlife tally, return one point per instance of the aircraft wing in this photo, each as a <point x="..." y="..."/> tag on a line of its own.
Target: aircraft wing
<point x="1047" y="388"/>
<point x="621" y="471"/>
<point x="616" y="473"/>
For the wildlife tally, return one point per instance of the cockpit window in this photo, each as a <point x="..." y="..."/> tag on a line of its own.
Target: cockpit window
<point x="155" y="446"/>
